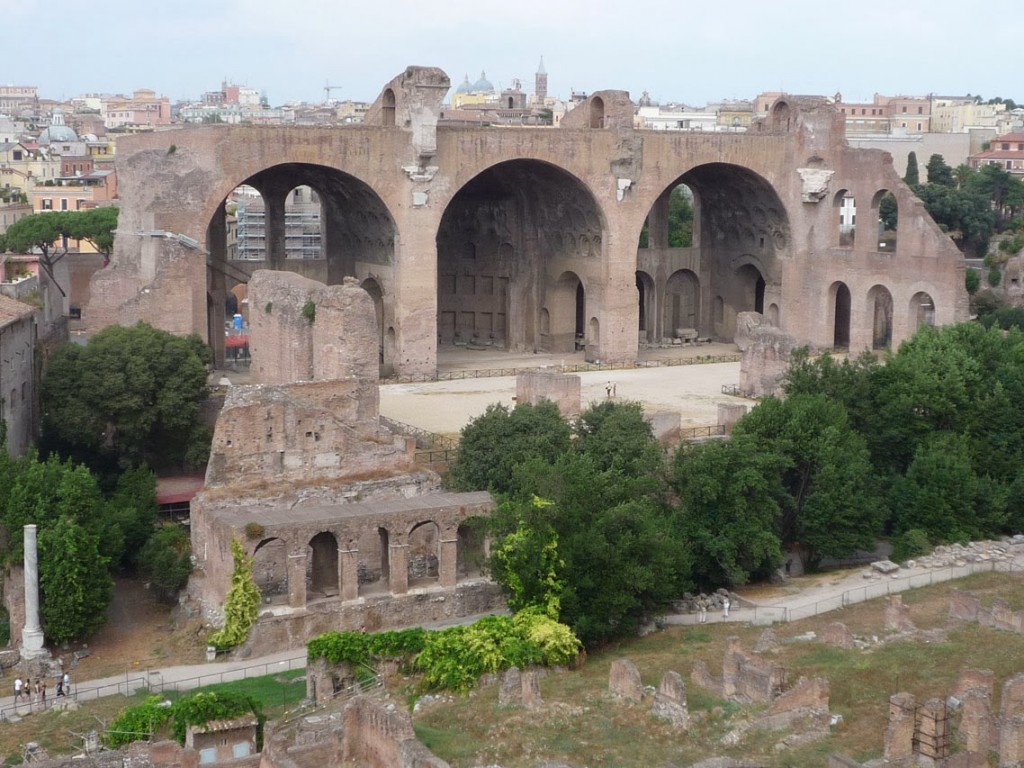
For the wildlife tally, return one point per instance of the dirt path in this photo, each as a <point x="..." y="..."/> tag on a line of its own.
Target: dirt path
<point x="138" y="635"/>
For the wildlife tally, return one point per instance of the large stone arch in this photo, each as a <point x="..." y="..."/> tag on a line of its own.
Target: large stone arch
<point x="357" y="235"/>
<point x="507" y="234"/>
<point x="738" y="219"/>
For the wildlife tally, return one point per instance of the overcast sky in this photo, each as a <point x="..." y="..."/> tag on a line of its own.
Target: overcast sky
<point x="685" y="51"/>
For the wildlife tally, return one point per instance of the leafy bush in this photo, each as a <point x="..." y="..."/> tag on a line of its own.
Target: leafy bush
<point x="910" y="544"/>
<point x="994" y="276"/>
<point x="140" y="722"/>
<point x="309" y="312"/>
<point x="166" y="561"/>
<point x="137" y="723"/>
<point x="455" y="658"/>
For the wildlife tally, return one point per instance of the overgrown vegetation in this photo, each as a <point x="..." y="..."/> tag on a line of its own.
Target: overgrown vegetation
<point x="455" y="658"/>
<point x="242" y="606"/>
<point x="154" y="715"/>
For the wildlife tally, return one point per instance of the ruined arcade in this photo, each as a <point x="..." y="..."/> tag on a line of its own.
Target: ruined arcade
<point x="529" y="238"/>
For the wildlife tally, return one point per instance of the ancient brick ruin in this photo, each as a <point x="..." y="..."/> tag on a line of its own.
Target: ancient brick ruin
<point x="530" y="239"/>
<point x="345" y="530"/>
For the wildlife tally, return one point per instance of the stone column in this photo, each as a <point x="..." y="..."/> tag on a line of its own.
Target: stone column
<point x="349" y="572"/>
<point x="398" y="560"/>
<point x="274" y="221"/>
<point x="297" y="578"/>
<point x="449" y="559"/>
<point x="32" y="639"/>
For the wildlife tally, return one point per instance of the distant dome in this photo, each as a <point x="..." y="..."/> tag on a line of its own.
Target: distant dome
<point x="465" y="87"/>
<point x="57" y="130"/>
<point x="57" y="133"/>
<point x="483" y="85"/>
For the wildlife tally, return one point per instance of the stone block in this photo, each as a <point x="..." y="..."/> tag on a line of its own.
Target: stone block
<point x="897" y="615"/>
<point x="837" y="634"/>
<point x="729" y="414"/>
<point x="899" y="736"/>
<point x="510" y="691"/>
<point x="561" y="389"/>
<point x="670" y="701"/>
<point x="624" y="681"/>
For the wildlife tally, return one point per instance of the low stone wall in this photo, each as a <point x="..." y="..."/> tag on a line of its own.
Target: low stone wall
<point x="965" y="606"/>
<point x="294" y="629"/>
<point x="561" y="389"/>
<point x="382" y="737"/>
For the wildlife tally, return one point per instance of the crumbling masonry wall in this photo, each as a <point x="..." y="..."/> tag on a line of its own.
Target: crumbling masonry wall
<point x="375" y="737"/>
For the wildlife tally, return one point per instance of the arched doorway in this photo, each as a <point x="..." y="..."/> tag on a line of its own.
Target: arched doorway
<point x="840" y="300"/>
<point x="682" y="302"/>
<point x="322" y="566"/>
<point x="311" y="219"/>
<point x="880" y="312"/>
<point x="498" y="244"/>
<point x="424" y="558"/>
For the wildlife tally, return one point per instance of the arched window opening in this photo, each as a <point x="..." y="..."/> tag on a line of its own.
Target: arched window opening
<point x="596" y="112"/>
<point x="886" y="212"/>
<point x="841" y="316"/>
<point x="846" y="212"/>
<point x="388" y="108"/>
<point x="922" y="310"/>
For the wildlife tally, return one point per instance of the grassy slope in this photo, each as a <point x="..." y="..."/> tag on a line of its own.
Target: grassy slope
<point x="579" y="724"/>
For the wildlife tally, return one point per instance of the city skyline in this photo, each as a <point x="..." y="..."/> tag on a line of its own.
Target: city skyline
<point x="688" y="53"/>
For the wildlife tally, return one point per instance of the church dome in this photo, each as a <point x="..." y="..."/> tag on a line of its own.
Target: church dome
<point x="483" y="85"/>
<point x="465" y="87"/>
<point x="57" y="131"/>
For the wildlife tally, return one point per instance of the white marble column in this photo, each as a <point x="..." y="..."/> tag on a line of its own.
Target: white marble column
<point x="32" y="640"/>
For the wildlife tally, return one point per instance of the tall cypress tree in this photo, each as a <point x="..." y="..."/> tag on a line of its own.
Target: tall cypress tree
<point x="913" y="177"/>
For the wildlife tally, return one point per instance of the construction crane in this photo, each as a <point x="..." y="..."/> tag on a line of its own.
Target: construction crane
<point x="327" y="90"/>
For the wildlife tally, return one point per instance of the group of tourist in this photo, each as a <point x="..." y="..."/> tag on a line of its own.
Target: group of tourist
<point x="35" y="692"/>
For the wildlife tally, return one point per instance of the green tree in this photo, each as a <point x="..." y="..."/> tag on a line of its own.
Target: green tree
<point x="495" y="444"/>
<point x="912" y="177"/>
<point x="971" y="280"/>
<point x="132" y="509"/>
<point x="130" y="396"/>
<point x="829" y="507"/>
<point x="94" y="225"/>
<point x="939" y="172"/>
<point x="73" y="581"/>
<point x="728" y="509"/>
<point x="166" y="561"/>
<point x="888" y="212"/>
